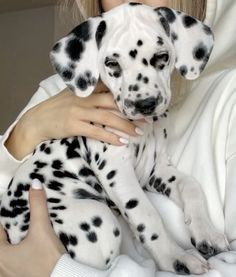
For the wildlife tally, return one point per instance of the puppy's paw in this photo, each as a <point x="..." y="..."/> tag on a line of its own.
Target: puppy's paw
<point x="207" y="240"/>
<point x="184" y="262"/>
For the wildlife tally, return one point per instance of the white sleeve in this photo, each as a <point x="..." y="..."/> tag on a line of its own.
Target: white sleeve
<point x="230" y="192"/>
<point x="8" y="164"/>
<point x="66" y="267"/>
<point x="123" y="266"/>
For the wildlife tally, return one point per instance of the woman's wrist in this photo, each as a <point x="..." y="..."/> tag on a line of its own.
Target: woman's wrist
<point x="21" y="141"/>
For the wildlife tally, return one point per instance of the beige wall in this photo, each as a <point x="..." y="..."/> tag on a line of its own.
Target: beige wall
<point x="26" y="38"/>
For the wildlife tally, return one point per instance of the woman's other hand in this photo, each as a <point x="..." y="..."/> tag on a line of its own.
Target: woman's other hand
<point x="39" y="252"/>
<point x="66" y="115"/>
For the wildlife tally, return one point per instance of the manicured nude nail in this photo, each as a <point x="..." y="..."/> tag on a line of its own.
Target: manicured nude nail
<point x="139" y="131"/>
<point x="36" y="184"/>
<point x="124" y="141"/>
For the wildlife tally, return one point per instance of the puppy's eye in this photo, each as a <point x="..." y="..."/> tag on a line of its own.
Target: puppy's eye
<point x="159" y="60"/>
<point x="111" y="63"/>
<point x="163" y="57"/>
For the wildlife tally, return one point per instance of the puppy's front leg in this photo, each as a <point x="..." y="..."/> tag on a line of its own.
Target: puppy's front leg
<point x="120" y="182"/>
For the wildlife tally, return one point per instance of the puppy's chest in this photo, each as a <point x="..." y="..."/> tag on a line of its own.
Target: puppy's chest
<point x="148" y="151"/>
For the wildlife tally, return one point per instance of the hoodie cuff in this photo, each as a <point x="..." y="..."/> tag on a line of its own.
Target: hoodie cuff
<point x="8" y="164"/>
<point x="66" y="266"/>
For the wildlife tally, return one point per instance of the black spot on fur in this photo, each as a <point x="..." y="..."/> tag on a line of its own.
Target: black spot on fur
<point x="59" y="221"/>
<point x="24" y="228"/>
<point x="132" y="203"/>
<point x="169" y="14"/>
<point x="160" y="41"/>
<point x="193" y="241"/>
<point x="40" y="177"/>
<point x="74" y="49"/>
<point x="133" y="53"/>
<point x="97" y="221"/>
<point x="86" y="80"/>
<point x="180" y="267"/>
<point x="84" y="226"/>
<point x="145" y="62"/>
<point x="154" y="237"/>
<point x="82" y="31"/>
<point x="61" y="208"/>
<point x="140" y="227"/>
<point x="67" y="74"/>
<point x="174" y="36"/>
<point x="57" y="164"/>
<point x="134" y="4"/>
<point x="200" y="52"/>
<point x="189" y="21"/>
<point x="64" y="174"/>
<point x="171" y="179"/>
<point x="139" y="77"/>
<point x="183" y="70"/>
<point x="40" y="164"/>
<point x="207" y="30"/>
<point x="101" y="30"/>
<point x="142" y="239"/>
<point x="107" y="261"/>
<point x="54" y="185"/>
<point x="165" y="25"/>
<point x="71" y="253"/>
<point x="53" y="200"/>
<point x="82" y="83"/>
<point x="73" y="240"/>
<point x="116" y="232"/>
<point x="111" y="174"/>
<point x="139" y="42"/>
<point x="84" y="194"/>
<point x="92" y="237"/>
<point x="56" y="48"/>
<point x="207" y="250"/>
<point x="64" y="239"/>
<point x="86" y="172"/>
<point x="7" y="226"/>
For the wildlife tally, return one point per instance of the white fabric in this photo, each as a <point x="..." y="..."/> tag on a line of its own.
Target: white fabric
<point x="202" y="144"/>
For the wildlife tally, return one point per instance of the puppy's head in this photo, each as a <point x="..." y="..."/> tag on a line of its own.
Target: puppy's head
<point x="133" y="49"/>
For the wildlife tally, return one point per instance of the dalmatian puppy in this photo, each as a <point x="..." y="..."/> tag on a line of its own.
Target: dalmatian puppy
<point x="133" y="49"/>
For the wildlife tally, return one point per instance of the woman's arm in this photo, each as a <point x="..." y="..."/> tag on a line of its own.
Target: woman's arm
<point x="55" y="114"/>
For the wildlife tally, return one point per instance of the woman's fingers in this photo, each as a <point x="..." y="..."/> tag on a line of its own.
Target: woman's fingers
<point x="101" y="87"/>
<point x="38" y="206"/>
<point x="111" y="120"/>
<point x="98" y="133"/>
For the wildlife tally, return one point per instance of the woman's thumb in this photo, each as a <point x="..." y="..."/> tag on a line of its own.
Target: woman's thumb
<point x="38" y="205"/>
<point x="3" y="236"/>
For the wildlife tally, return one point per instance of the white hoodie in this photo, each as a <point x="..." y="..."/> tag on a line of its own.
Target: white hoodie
<point x="202" y="143"/>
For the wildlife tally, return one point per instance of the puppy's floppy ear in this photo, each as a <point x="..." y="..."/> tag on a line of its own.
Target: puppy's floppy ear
<point x="75" y="57"/>
<point x="193" y="41"/>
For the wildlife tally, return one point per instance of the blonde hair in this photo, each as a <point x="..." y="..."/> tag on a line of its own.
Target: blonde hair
<point x="82" y="9"/>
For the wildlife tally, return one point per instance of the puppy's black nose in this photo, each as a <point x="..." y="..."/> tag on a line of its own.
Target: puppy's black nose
<point x="146" y="106"/>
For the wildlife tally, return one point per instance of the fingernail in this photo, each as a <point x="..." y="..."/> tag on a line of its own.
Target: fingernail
<point x="123" y="140"/>
<point x="139" y="131"/>
<point x="36" y="184"/>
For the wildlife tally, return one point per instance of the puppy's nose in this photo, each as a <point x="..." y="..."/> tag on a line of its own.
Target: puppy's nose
<point x="146" y="106"/>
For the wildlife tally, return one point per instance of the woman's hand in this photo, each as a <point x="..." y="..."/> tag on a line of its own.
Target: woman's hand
<point x="39" y="252"/>
<point x="66" y="115"/>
